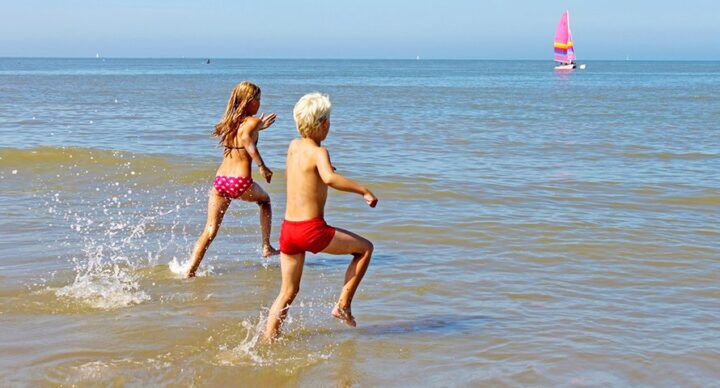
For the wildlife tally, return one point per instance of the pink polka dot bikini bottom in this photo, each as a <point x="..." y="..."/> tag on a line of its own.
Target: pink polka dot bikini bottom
<point x="232" y="186"/>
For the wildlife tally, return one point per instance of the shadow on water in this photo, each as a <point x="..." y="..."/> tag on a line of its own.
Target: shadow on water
<point x="438" y="324"/>
<point x="341" y="261"/>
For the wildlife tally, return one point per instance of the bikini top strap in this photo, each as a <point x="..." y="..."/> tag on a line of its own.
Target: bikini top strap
<point x="227" y="147"/>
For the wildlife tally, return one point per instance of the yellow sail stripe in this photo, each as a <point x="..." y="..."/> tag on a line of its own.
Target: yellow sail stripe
<point x="563" y="46"/>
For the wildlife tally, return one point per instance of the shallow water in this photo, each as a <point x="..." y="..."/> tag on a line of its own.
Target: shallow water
<point x="534" y="228"/>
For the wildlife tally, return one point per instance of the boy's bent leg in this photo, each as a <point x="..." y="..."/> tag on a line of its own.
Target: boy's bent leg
<point x="346" y="242"/>
<point x="291" y="267"/>
<point x="256" y="194"/>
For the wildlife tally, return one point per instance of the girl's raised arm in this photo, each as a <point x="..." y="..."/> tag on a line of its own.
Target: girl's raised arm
<point x="246" y="129"/>
<point x="266" y="122"/>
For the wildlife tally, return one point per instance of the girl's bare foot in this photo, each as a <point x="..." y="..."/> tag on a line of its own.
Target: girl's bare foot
<point x="344" y="315"/>
<point x="268" y="251"/>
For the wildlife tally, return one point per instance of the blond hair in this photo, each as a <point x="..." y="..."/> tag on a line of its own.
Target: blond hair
<point x="310" y="112"/>
<point x="236" y="111"/>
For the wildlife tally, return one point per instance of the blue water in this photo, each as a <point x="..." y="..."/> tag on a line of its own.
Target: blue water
<point x="534" y="227"/>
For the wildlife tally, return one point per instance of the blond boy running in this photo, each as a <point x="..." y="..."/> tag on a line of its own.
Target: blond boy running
<point x="309" y="173"/>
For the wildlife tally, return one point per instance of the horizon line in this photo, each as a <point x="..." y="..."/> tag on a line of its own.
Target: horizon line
<point x="360" y="59"/>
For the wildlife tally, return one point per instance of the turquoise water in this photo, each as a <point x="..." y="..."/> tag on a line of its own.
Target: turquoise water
<point x="533" y="227"/>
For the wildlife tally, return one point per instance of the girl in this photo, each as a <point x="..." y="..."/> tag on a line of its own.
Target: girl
<point x="238" y="133"/>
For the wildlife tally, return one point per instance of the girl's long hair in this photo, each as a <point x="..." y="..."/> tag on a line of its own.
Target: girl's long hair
<point x="236" y="111"/>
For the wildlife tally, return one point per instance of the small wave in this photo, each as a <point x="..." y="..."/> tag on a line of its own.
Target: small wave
<point x="95" y="162"/>
<point x="76" y="370"/>
<point x="701" y="97"/>
<point x="530" y="296"/>
<point x="33" y="121"/>
<point x="671" y="155"/>
<point x="691" y="201"/>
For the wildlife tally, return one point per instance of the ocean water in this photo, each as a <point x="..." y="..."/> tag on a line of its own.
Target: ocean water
<point x="534" y="228"/>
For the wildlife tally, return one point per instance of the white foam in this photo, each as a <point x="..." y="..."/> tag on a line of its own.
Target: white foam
<point x="181" y="269"/>
<point x="90" y="371"/>
<point x="105" y="289"/>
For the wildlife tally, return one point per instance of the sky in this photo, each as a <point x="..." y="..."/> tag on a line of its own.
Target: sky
<point x="450" y="29"/>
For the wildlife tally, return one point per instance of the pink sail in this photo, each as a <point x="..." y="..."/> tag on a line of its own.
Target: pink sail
<point x="564" y="49"/>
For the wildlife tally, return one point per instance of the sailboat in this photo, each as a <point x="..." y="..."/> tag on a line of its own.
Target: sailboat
<point x="564" y="48"/>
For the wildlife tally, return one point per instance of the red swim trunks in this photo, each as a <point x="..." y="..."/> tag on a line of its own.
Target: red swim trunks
<point x="301" y="236"/>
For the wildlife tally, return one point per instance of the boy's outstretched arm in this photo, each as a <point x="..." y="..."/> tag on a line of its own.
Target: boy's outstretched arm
<point x="339" y="182"/>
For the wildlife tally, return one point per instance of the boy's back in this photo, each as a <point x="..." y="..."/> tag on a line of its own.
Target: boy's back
<point x="306" y="191"/>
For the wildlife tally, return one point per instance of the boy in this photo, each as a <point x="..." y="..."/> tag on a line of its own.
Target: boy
<point x="309" y="173"/>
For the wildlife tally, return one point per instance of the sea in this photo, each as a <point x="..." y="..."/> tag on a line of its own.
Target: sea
<point x="534" y="228"/>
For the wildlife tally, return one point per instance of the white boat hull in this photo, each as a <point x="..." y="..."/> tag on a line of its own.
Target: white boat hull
<point x="570" y="67"/>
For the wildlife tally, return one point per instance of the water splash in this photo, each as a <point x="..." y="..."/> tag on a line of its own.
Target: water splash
<point x="285" y="353"/>
<point x="181" y="268"/>
<point x="106" y="288"/>
<point x="119" y="237"/>
<point x="293" y="350"/>
<point x="105" y="275"/>
<point x="249" y="350"/>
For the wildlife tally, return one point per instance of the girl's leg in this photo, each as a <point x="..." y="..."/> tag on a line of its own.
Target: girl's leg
<point x="256" y="194"/>
<point x="217" y="206"/>
<point x="345" y="242"/>
<point x="291" y="267"/>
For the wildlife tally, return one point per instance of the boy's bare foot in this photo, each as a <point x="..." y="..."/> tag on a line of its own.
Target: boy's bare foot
<point x="268" y="251"/>
<point x="344" y="315"/>
<point x="189" y="275"/>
